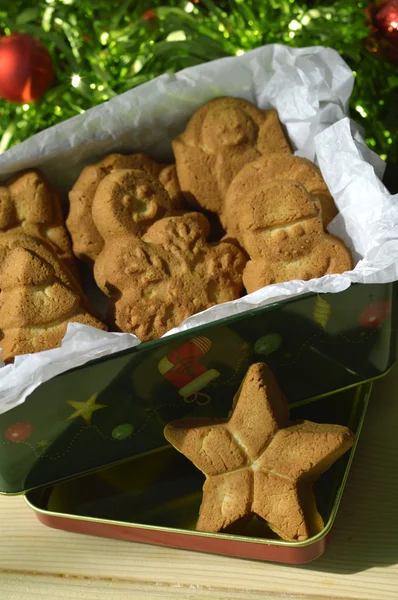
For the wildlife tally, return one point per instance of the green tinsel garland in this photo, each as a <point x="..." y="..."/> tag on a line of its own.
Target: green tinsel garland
<point x="101" y="48"/>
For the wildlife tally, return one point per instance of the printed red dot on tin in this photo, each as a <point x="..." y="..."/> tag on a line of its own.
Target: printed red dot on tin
<point x="375" y="314"/>
<point x="19" y="432"/>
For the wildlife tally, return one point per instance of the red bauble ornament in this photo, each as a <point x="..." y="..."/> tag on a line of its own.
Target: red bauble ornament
<point x="375" y="314"/>
<point x="150" y="16"/>
<point x="26" y="69"/>
<point x="384" y="34"/>
<point x="19" y="432"/>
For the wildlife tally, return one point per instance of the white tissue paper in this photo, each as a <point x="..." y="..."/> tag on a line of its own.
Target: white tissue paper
<point x="310" y="89"/>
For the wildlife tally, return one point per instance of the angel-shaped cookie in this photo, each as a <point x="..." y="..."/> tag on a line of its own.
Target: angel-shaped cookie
<point x="28" y="205"/>
<point x="156" y="282"/>
<point x="280" y="227"/>
<point x="221" y="137"/>
<point x="38" y="297"/>
<point x="87" y="241"/>
<point x="258" y="462"/>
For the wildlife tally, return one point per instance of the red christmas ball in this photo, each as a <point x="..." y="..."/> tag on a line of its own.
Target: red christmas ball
<point x="150" y="16"/>
<point x="26" y="69"/>
<point x="19" y="432"/>
<point x="375" y="314"/>
<point x="384" y="28"/>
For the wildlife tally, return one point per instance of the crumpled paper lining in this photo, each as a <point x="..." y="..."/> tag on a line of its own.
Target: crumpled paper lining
<point x="310" y="89"/>
<point x="81" y="344"/>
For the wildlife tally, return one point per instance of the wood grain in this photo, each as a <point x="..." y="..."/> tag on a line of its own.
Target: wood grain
<point x="37" y="563"/>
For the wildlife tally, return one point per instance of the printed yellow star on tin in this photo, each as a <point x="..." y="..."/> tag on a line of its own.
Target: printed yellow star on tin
<point x="245" y="347"/>
<point x="42" y="444"/>
<point x="86" y="409"/>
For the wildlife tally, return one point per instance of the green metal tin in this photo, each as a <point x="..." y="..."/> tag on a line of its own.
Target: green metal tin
<point x="155" y="497"/>
<point x="114" y="408"/>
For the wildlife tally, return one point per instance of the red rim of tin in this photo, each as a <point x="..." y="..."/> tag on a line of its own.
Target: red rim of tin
<point x="252" y="548"/>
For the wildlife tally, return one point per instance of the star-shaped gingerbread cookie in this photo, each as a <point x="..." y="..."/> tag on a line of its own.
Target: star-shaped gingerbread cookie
<point x="258" y="462"/>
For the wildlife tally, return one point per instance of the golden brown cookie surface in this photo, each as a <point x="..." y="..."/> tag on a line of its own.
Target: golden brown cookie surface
<point x="128" y="201"/>
<point x="169" y="179"/>
<point x="156" y="282"/>
<point x="28" y="205"/>
<point x="38" y="297"/>
<point x="258" y="461"/>
<point x="87" y="241"/>
<point x="280" y="227"/>
<point x="222" y="136"/>
<point x="277" y="167"/>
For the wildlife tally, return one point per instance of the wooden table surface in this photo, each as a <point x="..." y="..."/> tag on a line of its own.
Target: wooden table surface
<point x="37" y="563"/>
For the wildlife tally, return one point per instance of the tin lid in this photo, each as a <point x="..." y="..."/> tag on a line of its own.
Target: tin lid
<point x="114" y="408"/>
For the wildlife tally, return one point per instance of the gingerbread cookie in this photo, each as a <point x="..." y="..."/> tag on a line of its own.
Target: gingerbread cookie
<point x="169" y="180"/>
<point x="128" y="201"/>
<point x="281" y="229"/>
<point x="28" y="205"/>
<point x="156" y="282"/>
<point x="258" y="462"/>
<point x="38" y="297"/>
<point x="276" y="167"/>
<point x="86" y="239"/>
<point x="221" y="137"/>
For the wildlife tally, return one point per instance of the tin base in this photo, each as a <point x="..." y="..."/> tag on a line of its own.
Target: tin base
<point x="155" y="497"/>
